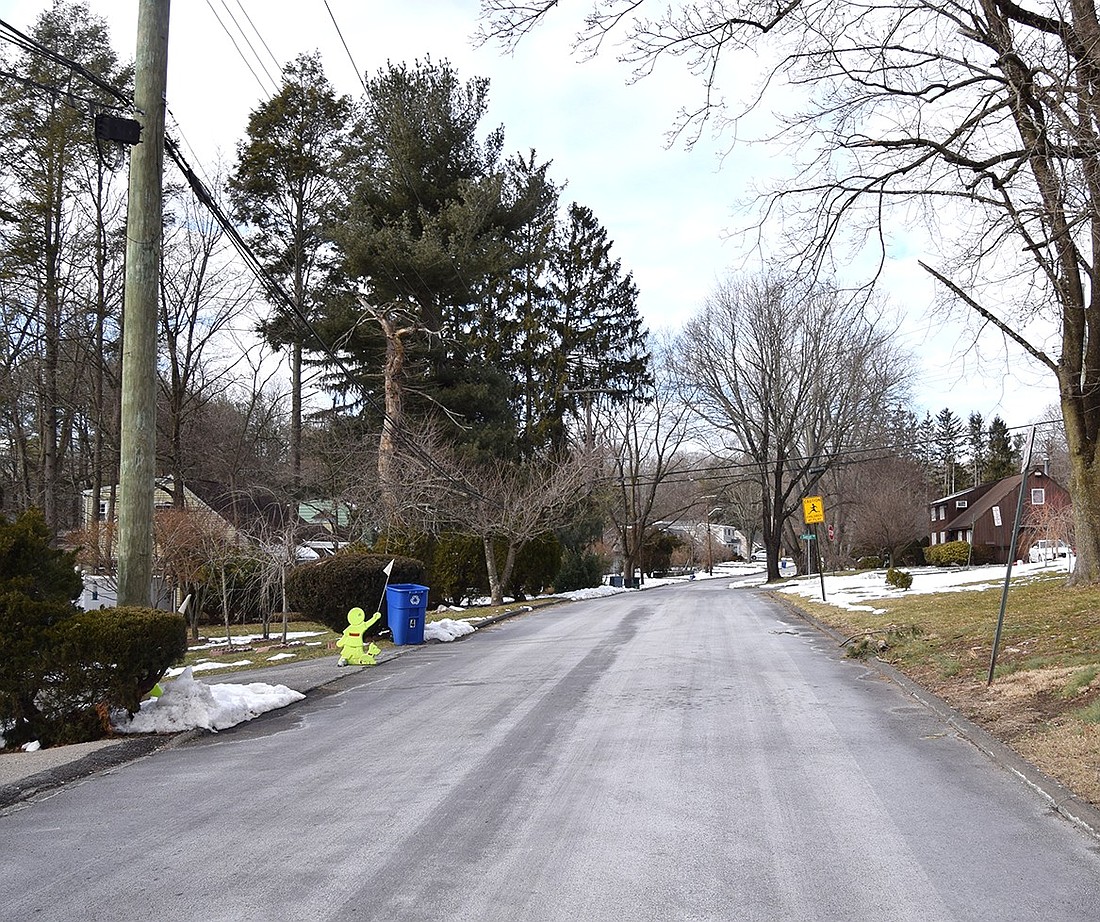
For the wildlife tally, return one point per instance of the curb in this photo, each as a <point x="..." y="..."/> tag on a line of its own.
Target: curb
<point x="130" y="749"/>
<point x="1060" y="798"/>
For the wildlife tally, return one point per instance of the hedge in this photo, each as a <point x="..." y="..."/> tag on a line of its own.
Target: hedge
<point x="327" y="589"/>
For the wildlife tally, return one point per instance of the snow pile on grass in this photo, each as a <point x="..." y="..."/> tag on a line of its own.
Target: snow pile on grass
<point x="854" y="590"/>
<point x="447" y="629"/>
<point x="187" y="703"/>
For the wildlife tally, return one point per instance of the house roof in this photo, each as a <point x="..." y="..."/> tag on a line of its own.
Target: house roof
<point x="991" y="497"/>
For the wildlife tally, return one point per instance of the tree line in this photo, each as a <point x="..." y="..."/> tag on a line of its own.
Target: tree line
<point x="465" y="355"/>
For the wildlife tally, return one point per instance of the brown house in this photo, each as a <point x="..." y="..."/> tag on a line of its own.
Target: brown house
<point x="983" y="515"/>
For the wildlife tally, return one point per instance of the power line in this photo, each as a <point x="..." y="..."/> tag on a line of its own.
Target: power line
<point x="240" y="53"/>
<point x="274" y="289"/>
<point x="354" y="66"/>
<point x="267" y="48"/>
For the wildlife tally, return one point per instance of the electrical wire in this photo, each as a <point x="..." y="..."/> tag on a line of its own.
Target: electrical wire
<point x="263" y="89"/>
<point x="271" y="285"/>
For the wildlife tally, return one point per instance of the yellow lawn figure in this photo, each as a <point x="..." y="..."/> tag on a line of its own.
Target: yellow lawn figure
<point x="351" y="643"/>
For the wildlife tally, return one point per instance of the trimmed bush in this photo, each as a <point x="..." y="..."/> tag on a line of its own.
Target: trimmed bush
<point x="579" y="571"/>
<point x="869" y="563"/>
<point x="899" y="578"/>
<point x="537" y="565"/>
<point x="105" y="660"/>
<point x="327" y="589"/>
<point x="951" y="554"/>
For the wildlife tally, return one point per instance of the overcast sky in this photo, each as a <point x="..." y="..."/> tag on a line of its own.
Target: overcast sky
<point x="668" y="210"/>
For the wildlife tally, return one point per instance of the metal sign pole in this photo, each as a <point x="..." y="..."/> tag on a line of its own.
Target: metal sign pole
<point x="1012" y="553"/>
<point x="820" y="563"/>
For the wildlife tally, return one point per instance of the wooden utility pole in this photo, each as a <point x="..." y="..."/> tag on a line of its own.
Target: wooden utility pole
<point x="144" y="216"/>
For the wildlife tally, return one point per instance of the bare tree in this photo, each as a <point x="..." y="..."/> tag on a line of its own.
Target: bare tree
<point x="791" y="376"/>
<point x="647" y="466"/>
<point x="497" y="501"/>
<point x="889" y="511"/>
<point x="202" y="292"/>
<point x="980" y="117"/>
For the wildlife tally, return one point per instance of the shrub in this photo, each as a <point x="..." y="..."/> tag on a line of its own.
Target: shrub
<point x="327" y="589"/>
<point x="579" y="571"/>
<point x="37" y="584"/>
<point x="899" y="578"/>
<point x="869" y="563"/>
<point x="951" y="554"/>
<point x="104" y="660"/>
<point x="537" y="565"/>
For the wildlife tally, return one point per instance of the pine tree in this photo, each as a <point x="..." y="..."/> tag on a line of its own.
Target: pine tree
<point x="1004" y="454"/>
<point x="285" y="187"/>
<point x="949" y="434"/>
<point x="977" y="445"/>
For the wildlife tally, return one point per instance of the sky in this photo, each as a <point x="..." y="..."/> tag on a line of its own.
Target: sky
<point x="669" y="210"/>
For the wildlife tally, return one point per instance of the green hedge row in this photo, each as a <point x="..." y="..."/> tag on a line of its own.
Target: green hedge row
<point x="327" y="589"/>
<point x="957" y="554"/>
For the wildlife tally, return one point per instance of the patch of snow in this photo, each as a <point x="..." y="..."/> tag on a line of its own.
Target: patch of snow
<point x="447" y="629"/>
<point x="279" y="656"/>
<point x="245" y="639"/>
<point x="32" y="747"/>
<point x="207" y="666"/>
<point x="853" y="590"/>
<point x="187" y="703"/>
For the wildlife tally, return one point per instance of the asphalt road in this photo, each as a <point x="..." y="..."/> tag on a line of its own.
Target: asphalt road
<point x="679" y="754"/>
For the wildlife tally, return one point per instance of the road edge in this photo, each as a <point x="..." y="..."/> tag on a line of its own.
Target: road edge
<point x="1060" y="798"/>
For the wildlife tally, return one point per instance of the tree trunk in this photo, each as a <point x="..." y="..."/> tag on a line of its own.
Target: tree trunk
<point x="296" y="415"/>
<point x="1084" y="487"/>
<point x="496" y="590"/>
<point x="394" y="407"/>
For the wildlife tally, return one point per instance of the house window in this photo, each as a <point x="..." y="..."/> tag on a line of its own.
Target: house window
<point x="933" y="513"/>
<point x="1038" y="496"/>
<point x="102" y="510"/>
<point x="943" y="513"/>
<point x="943" y="537"/>
<point x="960" y="504"/>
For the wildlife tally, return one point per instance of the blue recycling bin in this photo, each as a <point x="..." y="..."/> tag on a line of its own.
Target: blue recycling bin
<point x="406" y="607"/>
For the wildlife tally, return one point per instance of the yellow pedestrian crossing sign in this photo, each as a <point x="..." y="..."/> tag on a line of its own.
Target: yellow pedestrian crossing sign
<point x="813" y="510"/>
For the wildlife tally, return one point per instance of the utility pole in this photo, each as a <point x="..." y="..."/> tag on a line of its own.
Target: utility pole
<point x="144" y="217"/>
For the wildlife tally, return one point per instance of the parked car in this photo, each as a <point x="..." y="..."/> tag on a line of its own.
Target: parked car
<point x="1048" y="550"/>
<point x="760" y="554"/>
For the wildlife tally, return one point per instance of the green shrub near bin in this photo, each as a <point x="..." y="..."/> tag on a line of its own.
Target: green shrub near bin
<point x="327" y="589"/>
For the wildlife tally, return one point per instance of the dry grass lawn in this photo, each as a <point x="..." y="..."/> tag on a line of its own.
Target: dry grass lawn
<point x="1045" y="698"/>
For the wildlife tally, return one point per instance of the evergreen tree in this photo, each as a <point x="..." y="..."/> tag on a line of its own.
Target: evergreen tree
<point x="1004" y="453"/>
<point x="285" y="187"/>
<point x="949" y="434"/>
<point x="977" y="445"/>
<point x="601" y="348"/>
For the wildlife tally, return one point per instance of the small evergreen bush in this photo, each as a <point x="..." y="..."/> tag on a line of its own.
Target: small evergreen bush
<point x="899" y="578"/>
<point x="579" y="570"/>
<point x="327" y="589"/>
<point x="951" y="554"/>
<point x="101" y="661"/>
<point x="37" y="586"/>
<point x="869" y="563"/>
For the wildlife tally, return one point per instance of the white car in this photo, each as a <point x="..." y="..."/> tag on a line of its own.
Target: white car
<point x="1045" y="550"/>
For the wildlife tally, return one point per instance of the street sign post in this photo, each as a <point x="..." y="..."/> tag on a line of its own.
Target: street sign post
<point x="813" y="513"/>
